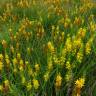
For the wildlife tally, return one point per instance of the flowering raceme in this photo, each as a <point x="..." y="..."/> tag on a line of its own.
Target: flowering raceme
<point x="1" y="65"/>
<point x="35" y="84"/>
<point x="58" y="81"/>
<point x="1" y="57"/>
<point x="79" y="83"/>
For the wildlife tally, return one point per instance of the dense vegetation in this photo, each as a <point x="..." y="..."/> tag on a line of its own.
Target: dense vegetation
<point x="47" y="48"/>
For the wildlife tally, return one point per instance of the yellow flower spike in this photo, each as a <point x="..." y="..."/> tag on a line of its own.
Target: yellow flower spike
<point x="56" y="61"/>
<point x="67" y="77"/>
<point x="68" y="44"/>
<point x="23" y="4"/>
<point x="88" y="48"/>
<point x="26" y="62"/>
<point x="46" y="76"/>
<point x="6" y="82"/>
<point x="12" y="49"/>
<point x="21" y="68"/>
<point x="92" y="26"/>
<point x="62" y="60"/>
<point x="50" y="46"/>
<point x="37" y="67"/>
<point x="53" y="27"/>
<point x="29" y="86"/>
<point x="79" y="56"/>
<point x="7" y="61"/>
<point x="80" y="83"/>
<point x="15" y="61"/>
<point x="67" y="22"/>
<point x="4" y="43"/>
<point x="35" y="84"/>
<point x="1" y="88"/>
<point x="34" y="74"/>
<point x="30" y="72"/>
<point x="1" y="66"/>
<point x="62" y="36"/>
<point x="77" y="43"/>
<point x="66" y="25"/>
<point x="77" y="21"/>
<point x="58" y="81"/>
<point x="50" y="65"/>
<point x="18" y="56"/>
<point x="21" y="62"/>
<point x="68" y="66"/>
<point x="6" y="56"/>
<point x="1" y="57"/>
<point x="82" y="32"/>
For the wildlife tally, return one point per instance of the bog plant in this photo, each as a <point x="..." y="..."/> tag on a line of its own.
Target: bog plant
<point x="47" y="48"/>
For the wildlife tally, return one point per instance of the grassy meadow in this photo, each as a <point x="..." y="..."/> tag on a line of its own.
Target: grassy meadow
<point x="47" y="48"/>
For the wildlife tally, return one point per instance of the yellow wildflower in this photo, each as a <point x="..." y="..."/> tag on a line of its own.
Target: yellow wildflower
<point x="37" y="67"/>
<point x="6" y="82"/>
<point x="50" y="65"/>
<point x="18" y="55"/>
<point x="26" y="62"/>
<point x="4" y="43"/>
<point x="53" y="27"/>
<point x="14" y="61"/>
<point x="1" y="87"/>
<point x="68" y="44"/>
<point x="50" y="46"/>
<point x="68" y="77"/>
<point x="58" y="81"/>
<point x="21" y="68"/>
<point x="79" y="56"/>
<point x="35" y="84"/>
<point x="6" y="56"/>
<point x="46" y="76"/>
<point x="68" y="65"/>
<point x="80" y="82"/>
<point x="77" y="21"/>
<point x="7" y="61"/>
<point x="88" y="48"/>
<point x="1" y="65"/>
<point x="30" y="72"/>
<point x="21" y="62"/>
<point x="12" y="49"/>
<point x="29" y="86"/>
<point x="82" y="32"/>
<point x="92" y="26"/>
<point x="1" y="57"/>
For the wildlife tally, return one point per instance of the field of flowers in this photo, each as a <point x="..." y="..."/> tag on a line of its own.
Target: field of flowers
<point x="47" y="48"/>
